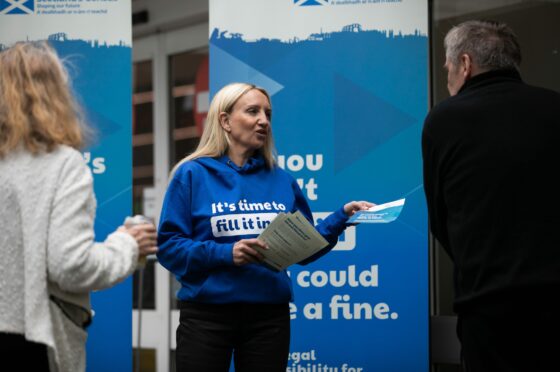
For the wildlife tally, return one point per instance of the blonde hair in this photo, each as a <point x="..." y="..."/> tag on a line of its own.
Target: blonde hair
<point x="214" y="141"/>
<point x="37" y="109"/>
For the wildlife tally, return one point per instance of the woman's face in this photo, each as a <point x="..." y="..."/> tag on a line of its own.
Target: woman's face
<point x="248" y="124"/>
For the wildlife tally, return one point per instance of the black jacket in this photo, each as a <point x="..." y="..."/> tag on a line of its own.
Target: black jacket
<point x="491" y="169"/>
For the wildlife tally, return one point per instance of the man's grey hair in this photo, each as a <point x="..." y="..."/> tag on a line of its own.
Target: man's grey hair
<point x="491" y="45"/>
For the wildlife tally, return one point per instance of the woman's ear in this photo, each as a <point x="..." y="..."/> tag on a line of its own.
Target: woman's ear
<point x="224" y="121"/>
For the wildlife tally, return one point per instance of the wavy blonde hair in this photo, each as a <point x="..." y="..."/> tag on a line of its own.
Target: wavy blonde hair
<point x="215" y="141"/>
<point x="37" y="109"/>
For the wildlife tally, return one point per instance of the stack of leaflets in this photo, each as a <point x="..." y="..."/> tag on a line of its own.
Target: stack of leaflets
<point x="382" y="213"/>
<point x="290" y="239"/>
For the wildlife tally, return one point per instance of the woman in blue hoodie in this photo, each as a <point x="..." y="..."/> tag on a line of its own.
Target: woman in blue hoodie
<point x="218" y="201"/>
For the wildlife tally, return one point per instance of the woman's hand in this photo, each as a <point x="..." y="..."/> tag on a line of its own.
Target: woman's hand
<point x="244" y="251"/>
<point x="146" y="237"/>
<point x="354" y="206"/>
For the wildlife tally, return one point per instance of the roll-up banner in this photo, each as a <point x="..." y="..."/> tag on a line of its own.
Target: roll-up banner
<point x="94" y="38"/>
<point x="349" y="86"/>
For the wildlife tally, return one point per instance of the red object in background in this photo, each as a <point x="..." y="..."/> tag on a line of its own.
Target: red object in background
<point x="201" y="95"/>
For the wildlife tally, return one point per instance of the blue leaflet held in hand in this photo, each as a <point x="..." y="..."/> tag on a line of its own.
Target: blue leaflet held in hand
<point x="382" y="213"/>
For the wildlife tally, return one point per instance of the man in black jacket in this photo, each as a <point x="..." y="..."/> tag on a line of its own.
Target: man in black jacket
<point x="491" y="161"/>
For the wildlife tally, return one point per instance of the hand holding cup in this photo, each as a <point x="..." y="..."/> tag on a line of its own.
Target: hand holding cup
<point x="143" y="230"/>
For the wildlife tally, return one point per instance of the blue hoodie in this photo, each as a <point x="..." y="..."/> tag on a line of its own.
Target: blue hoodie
<point x="210" y="204"/>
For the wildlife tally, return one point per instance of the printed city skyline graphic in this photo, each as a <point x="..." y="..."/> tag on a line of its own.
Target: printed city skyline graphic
<point x="84" y="59"/>
<point x="350" y="97"/>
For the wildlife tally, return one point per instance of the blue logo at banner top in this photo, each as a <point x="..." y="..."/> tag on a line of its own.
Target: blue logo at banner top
<point x="17" y="6"/>
<point x="310" y="2"/>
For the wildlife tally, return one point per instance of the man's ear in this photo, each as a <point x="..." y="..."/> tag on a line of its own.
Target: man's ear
<point x="466" y="64"/>
<point x="224" y="121"/>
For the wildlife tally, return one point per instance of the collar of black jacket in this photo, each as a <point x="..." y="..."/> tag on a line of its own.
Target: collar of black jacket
<point x="489" y="77"/>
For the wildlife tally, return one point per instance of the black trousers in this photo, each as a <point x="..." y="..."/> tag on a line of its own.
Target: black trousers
<point x="257" y="335"/>
<point x="519" y="341"/>
<point x="22" y="355"/>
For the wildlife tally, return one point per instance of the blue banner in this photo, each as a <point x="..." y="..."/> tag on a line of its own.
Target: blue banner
<point x="94" y="40"/>
<point x="349" y="86"/>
